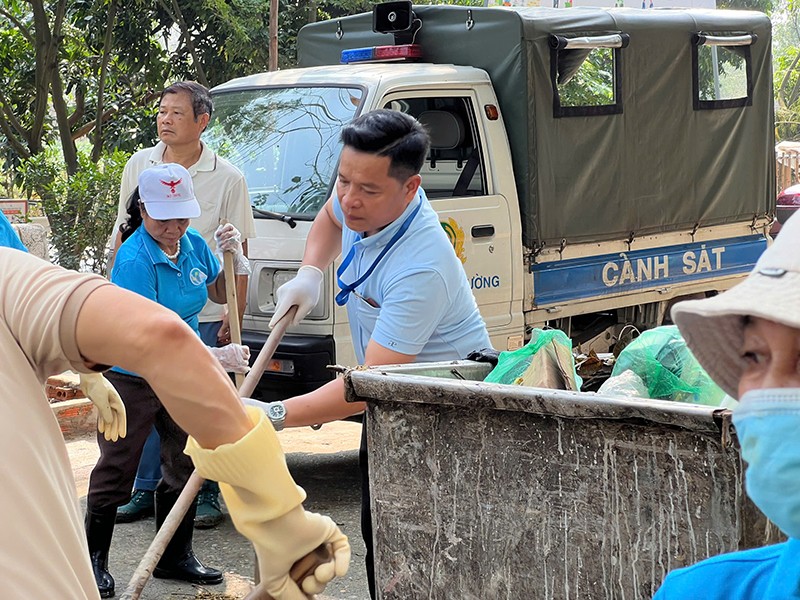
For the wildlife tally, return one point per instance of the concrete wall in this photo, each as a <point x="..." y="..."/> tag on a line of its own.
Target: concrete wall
<point x="34" y="236"/>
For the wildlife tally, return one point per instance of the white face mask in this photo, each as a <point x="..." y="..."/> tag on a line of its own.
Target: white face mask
<point x="768" y="425"/>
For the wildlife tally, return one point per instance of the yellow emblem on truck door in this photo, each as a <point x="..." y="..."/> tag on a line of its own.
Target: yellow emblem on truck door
<point x="456" y="236"/>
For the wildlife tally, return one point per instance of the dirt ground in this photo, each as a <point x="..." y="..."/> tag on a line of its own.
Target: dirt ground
<point x="324" y="462"/>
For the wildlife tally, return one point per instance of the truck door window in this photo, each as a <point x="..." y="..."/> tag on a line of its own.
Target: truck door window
<point x="454" y="165"/>
<point x="722" y="71"/>
<point x="586" y="74"/>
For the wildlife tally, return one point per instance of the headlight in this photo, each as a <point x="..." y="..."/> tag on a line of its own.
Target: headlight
<point x="279" y="277"/>
<point x="267" y="280"/>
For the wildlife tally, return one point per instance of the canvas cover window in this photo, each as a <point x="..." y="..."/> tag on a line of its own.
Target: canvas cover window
<point x="721" y="74"/>
<point x="586" y="81"/>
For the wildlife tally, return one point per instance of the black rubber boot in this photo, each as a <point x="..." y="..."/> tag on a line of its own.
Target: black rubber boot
<point x="178" y="561"/>
<point x="99" y="529"/>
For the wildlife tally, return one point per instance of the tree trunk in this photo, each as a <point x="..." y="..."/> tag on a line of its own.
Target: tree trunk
<point x="97" y="141"/>
<point x="46" y="47"/>
<point x="312" y="11"/>
<point x="62" y="120"/>
<point x="273" y="35"/>
<point x="177" y="16"/>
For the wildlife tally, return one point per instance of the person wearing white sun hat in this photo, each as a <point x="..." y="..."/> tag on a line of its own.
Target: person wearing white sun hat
<point x="748" y="340"/>
<point x="166" y="261"/>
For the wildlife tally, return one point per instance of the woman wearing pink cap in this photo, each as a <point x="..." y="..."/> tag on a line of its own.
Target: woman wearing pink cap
<point x="748" y="339"/>
<point x="162" y="259"/>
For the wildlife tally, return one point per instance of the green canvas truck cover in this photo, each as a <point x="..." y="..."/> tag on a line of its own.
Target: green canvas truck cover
<point x="660" y="165"/>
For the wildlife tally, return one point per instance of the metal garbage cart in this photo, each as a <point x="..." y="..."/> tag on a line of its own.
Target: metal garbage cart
<point x="486" y="491"/>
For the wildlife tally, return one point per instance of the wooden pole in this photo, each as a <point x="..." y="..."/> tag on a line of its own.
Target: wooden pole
<point x="233" y="307"/>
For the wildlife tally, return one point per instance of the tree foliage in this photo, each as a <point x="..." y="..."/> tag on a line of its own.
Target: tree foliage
<point x="786" y="70"/>
<point x="92" y="71"/>
<point x="81" y="207"/>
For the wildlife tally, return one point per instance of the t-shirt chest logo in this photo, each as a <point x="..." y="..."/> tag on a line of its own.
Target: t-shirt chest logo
<point x="197" y="277"/>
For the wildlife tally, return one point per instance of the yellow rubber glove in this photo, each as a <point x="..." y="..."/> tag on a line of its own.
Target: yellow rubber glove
<point x="266" y="507"/>
<point x="111" y="420"/>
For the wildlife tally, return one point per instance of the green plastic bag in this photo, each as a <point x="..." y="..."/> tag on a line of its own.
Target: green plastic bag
<point x="548" y="352"/>
<point x="667" y="367"/>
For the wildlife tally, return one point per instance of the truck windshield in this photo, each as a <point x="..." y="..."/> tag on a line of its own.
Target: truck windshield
<point x="285" y="141"/>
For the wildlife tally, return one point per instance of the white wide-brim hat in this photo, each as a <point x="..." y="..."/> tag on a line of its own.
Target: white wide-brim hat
<point x="167" y="192"/>
<point x="714" y="327"/>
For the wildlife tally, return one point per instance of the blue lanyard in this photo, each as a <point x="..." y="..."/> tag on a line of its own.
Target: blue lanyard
<point x="341" y="297"/>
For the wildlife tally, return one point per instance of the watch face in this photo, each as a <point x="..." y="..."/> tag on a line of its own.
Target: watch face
<point x="276" y="411"/>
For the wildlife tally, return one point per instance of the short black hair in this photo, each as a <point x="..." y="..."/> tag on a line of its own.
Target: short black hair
<point x="390" y="133"/>
<point x="201" y="99"/>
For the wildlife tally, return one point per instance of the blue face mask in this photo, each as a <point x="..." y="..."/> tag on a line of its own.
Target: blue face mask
<point x="768" y="425"/>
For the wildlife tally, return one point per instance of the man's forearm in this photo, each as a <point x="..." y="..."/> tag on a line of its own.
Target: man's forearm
<point x="324" y="242"/>
<point x="327" y="403"/>
<point x="323" y="405"/>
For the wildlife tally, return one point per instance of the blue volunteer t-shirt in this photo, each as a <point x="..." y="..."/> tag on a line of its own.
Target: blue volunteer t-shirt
<point x="768" y="573"/>
<point x="142" y="267"/>
<point x="417" y="301"/>
<point x="9" y="237"/>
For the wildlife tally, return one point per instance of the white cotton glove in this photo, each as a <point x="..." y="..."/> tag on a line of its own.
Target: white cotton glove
<point x="302" y="291"/>
<point x="228" y="239"/>
<point x="266" y="507"/>
<point x="111" y="420"/>
<point x="234" y="358"/>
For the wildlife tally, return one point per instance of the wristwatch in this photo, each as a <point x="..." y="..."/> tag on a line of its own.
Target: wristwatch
<point x="276" y="412"/>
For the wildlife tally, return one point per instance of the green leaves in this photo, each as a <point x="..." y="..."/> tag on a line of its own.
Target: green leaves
<point x="81" y="208"/>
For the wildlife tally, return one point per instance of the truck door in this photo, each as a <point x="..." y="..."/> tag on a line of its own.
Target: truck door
<point x="455" y="180"/>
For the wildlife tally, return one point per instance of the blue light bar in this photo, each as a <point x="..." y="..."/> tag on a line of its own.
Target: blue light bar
<point x="357" y="55"/>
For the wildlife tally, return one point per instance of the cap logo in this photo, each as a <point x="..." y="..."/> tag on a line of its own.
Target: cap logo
<point x="171" y="184"/>
<point x="772" y="272"/>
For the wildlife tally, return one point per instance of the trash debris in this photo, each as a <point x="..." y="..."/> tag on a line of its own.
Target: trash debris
<point x="546" y="361"/>
<point x="593" y="368"/>
<point x="659" y="365"/>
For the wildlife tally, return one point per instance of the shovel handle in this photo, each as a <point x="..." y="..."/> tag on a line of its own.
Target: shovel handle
<point x="233" y="303"/>
<point x="275" y="337"/>
<point x="299" y="571"/>
<point x="150" y="559"/>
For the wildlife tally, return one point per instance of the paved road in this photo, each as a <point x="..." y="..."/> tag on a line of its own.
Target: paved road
<point x="324" y="462"/>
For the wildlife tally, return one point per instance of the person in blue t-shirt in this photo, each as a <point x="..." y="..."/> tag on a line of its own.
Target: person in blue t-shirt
<point x="407" y="296"/>
<point x="166" y="261"/>
<point x="748" y="339"/>
<point x="9" y="237"/>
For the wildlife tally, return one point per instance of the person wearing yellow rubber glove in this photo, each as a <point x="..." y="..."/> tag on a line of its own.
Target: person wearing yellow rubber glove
<point x="52" y="320"/>
<point x="254" y="467"/>
<point x="111" y="420"/>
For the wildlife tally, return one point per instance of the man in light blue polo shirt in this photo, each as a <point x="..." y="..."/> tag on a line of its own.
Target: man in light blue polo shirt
<point x="9" y="237"/>
<point x="405" y="290"/>
<point x="416" y="301"/>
